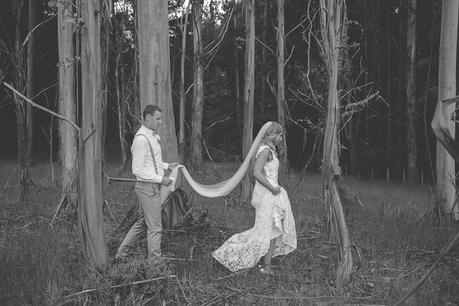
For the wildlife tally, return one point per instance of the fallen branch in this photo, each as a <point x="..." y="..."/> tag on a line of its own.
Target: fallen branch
<point x="232" y="275"/>
<point x="280" y="297"/>
<point x="443" y="252"/>
<point x="119" y="286"/>
<point x="7" y="182"/>
<point x="178" y="259"/>
<point x="70" y="188"/>
<point x="181" y="288"/>
<point x="110" y="211"/>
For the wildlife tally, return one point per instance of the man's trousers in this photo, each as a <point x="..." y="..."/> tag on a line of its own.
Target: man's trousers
<point x="149" y="220"/>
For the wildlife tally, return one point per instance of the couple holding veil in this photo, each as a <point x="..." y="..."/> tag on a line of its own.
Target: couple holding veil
<point x="273" y="232"/>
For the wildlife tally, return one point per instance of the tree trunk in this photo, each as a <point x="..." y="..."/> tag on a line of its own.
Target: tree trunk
<point x="281" y="103"/>
<point x="30" y="79"/>
<point x="388" y="90"/>
<point x="441" y="123"/>
<point x="182" y="88"/>
<point x="137" y="104"/>
<point x="333" y="22"/>
<point x="67" y="100"/>
<point x="17" y="58"/>
<point x="367" y="64"/>
<point x="411" y="92"/>
<point x="154" y="68"/>
<point x="90" y="171"/>
<point x="120" y="84"/>
<point x="237" y="83"/>
<point x="249" y="85"/>
<point x="280" y="62"/>
<point x="263" y="62"/>
<point x="105" y="54"/>
<point x="198" y="88"/>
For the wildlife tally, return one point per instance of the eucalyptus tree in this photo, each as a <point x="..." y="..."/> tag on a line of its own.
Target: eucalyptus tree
<point x="442" y="125"/>
<point x="333" y="29"/>
<point x="249" y="87"/>
<point x="90" y="139"/>
<point x="198" y="86"/>
<point x="410" y="89"/>
<point x="67" y="97"/>
<point x="154" y="67"/>
<point x="32" y="18"/>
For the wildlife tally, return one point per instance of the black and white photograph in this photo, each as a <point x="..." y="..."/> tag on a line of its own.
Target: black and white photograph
<point x="229" y="152"/>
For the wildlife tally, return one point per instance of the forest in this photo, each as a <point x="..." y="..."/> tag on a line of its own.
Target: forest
<point x="364" y="89"/>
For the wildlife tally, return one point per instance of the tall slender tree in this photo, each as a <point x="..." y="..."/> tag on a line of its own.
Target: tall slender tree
<point x="30" y="77"/>
<point x="281" y="103"/>
<point x="198" y="87"/>
<point x="118" y="47"/>
<point x="154" y="68"/>
<point x="280" y="62"/>
<point x="249" y="85"/>
<point x="19" y="73"/>
<point x="90" y="140"/>
<point x="441" y="123"/>
<point x="333" y="22"/>
<point x="411" y="92"/>
<point x="105" y="42"/>
<point x="237" y="83"/>
<point x="67" y="98"/>
<point x="184" y="28"/>
<point x="388" y="90"/>
<point x="264" y="35"/>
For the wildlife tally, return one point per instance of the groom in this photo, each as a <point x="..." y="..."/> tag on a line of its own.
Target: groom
<point x="148" y="165"/>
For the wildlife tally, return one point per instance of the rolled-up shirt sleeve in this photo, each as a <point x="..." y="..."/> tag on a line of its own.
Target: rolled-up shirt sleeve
<point x="139" y="149"/>
<point x="165" y="165"/>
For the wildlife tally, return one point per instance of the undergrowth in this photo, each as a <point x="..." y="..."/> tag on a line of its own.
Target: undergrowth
<point x="41" y="263"/>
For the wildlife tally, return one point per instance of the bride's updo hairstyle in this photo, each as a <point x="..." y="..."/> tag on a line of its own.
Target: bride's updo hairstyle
<point x="273" y="130"/>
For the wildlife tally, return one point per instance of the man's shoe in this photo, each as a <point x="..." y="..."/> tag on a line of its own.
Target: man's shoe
<point x="267" y="270"/>
<point x="119" y="259"/>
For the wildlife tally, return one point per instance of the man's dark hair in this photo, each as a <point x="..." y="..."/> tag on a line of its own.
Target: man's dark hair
<point x="150" y="109"/>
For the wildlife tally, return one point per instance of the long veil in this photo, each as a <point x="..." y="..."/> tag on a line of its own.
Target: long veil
<point x="225" y="187"/>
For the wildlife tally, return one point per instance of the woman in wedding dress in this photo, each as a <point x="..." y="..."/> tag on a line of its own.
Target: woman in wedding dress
<point x="274" y="230"/>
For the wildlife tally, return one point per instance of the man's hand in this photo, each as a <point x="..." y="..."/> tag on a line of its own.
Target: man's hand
<point x="166" y="181"/>
<point x="276" y="190"/>
<point x="173" y="166"/>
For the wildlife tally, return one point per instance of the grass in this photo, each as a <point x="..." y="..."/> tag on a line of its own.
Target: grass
<point x="42" y="264"/>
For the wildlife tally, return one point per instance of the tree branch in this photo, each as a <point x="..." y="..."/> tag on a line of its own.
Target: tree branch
<point x="26" y="39"/>
<point x="450" y="101"/>
<point x="443" y="252"/>
<point x="264" y="45"/>
<point x="121" y="285"/>
<point x="289" y="57"/>
<point x="41" y="107"/>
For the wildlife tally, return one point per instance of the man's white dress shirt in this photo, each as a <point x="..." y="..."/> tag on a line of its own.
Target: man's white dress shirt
<point x="142" y="161"/>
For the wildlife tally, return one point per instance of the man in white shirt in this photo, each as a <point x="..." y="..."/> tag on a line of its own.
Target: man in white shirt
<point x="148" y="165"/>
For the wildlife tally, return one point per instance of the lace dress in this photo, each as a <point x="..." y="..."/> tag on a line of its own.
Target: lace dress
<point x="273" y="220"/>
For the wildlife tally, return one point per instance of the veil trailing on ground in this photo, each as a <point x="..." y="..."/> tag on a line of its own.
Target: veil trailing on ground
<point x="225" y="187"/>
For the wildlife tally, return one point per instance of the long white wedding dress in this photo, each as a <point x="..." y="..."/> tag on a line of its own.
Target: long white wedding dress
<point x="273" y="220"/>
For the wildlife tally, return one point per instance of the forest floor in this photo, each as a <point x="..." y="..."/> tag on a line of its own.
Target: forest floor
<point x="389" y="223"/>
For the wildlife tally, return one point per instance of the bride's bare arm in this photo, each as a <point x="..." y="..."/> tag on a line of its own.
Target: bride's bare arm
<point x="258" y="171"/>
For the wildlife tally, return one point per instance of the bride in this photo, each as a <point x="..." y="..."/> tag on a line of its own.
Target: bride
<point x="274" y="231"/>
